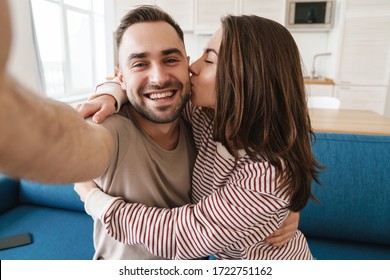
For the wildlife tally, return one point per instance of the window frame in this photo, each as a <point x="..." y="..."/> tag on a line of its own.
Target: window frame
<point x="70" y="94"/>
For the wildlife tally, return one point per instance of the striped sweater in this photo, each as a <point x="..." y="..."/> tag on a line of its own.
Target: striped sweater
<point x="235" y="207"/>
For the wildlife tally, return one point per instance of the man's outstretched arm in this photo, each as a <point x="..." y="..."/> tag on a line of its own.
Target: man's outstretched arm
<point x="41" y="139"/>
<point x="48" y="141"/>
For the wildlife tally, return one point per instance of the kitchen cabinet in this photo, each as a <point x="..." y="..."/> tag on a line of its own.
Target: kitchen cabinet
<point x="203" y="16"/>
<point x="362" y="97"/>
<point x="272" y="9"/>
<point x="319" y="90"/>
<point x="208" y="16"/>
<point x="181" y="11"/>
<point x="364" y="60"/>
<point x="319" y="87"/>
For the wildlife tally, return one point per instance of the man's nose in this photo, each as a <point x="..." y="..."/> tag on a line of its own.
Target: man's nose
<point x="158" y="75"/>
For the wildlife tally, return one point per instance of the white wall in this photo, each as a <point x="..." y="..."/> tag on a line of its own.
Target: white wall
<point x="309" y="43"/>
<point x="23" y="59"/>
<point x="387" y="104"/>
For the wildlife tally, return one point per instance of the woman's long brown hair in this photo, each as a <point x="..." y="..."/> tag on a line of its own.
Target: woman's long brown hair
<point x="261" y="102"/>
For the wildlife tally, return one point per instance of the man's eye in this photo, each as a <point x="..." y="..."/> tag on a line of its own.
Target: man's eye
<point x="138" y="65"/>
<point x="171" y="60"/>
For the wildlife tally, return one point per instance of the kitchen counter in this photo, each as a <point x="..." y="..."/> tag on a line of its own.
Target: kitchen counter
<point x="319" y="81"/>
<point x="349" y="121"/>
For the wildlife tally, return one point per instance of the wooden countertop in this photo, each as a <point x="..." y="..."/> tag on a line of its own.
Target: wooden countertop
<point x="349" y="121"/>
<point x="322" y="81"/>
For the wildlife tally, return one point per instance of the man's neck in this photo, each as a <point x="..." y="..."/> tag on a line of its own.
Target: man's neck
<point x="165" y="135"/>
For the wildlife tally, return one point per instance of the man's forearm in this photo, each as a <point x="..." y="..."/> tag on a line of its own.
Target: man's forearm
<point x="48" y="141"/>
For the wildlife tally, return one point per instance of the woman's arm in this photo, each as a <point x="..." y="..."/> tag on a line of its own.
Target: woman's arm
<point x="107" y="100"/>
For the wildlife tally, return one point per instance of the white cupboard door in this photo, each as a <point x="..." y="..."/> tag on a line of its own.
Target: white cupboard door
<point x="208" y="14"/>
<point x="319" y="90"/>
<point x="271" y="9"/>
<point x="365" y="54"/>
<point x="181" y="10"/>
<point x="362" y="98"/>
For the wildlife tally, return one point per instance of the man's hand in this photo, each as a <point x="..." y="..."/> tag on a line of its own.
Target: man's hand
<point x="100" y="108"/>
<point x="286" y="231"/>
<point x="83" y="189"/>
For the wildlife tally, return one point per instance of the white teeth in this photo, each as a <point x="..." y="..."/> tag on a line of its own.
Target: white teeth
<point x="155" y="96"/>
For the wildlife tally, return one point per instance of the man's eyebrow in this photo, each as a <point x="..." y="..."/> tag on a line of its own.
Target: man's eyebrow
<point x="146" y="54"/>
<point x="137" y="55"/>
<point x="211" y="50"/>
<point x="172" y="51"/>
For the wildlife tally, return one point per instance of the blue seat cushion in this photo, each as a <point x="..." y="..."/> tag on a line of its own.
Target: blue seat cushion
<point x="57" y="234"/>
<point x="333" y="249"/>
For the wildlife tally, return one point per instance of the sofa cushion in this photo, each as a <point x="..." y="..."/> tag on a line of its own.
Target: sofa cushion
<point x="333" y="249"/>
<point x="9" y="193"/>
<point x="59" y="196"/>
<point x="57" y="234"/>
<point x="354" y="198"/>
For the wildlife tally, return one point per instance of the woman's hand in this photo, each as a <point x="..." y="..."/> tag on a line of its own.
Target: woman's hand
<point x="286" y="231"/>
<point x="100" y="108"/>
<point x="83" y="189"/>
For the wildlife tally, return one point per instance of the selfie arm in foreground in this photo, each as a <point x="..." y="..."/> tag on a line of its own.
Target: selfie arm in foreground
<point x="42" y="139"/>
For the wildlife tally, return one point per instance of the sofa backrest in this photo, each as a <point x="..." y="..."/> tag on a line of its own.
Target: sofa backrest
<point x="58" y="196"/>
<point x="9" y="192"/>
<point x="354" y="198"/>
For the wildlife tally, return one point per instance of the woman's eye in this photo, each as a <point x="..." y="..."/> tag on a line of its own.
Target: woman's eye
<point x="209" y="61"/>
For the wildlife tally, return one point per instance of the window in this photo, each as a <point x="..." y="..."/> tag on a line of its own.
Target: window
<point x="71" y="41"/>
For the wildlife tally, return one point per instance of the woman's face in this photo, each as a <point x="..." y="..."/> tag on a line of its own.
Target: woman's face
<point x="204" y="72"/>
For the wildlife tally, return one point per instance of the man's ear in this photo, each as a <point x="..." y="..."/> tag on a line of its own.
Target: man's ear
<point x="121" y="79"/>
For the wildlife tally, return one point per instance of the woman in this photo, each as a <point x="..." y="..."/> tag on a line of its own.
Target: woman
<point x="252" y="130"/>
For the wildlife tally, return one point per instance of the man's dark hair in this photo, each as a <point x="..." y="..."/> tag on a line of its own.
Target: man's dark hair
<point x="145" y="13"/>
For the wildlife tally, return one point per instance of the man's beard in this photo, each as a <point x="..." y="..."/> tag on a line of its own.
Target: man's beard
<point x="150" y="115"/>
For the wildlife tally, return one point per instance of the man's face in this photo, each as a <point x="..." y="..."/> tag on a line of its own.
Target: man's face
<point x="154" y="71"/>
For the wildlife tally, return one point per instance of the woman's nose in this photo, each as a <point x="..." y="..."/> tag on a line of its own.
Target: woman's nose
<point x="194" y="69"/>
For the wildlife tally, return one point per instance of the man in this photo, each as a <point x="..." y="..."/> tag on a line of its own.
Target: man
<point x="154" y="155"/>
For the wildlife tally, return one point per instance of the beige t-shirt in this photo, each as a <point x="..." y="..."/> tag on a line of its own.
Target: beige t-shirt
<point x="141" y="171"/>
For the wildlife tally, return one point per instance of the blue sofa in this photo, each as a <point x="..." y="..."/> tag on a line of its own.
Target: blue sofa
<point x="351" y="220"/>
<point x="53" y="214"/>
